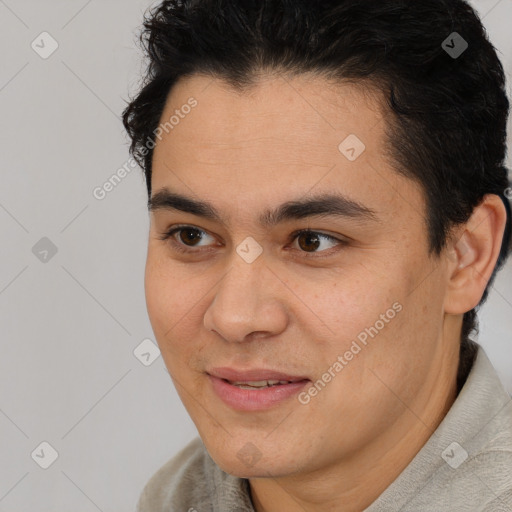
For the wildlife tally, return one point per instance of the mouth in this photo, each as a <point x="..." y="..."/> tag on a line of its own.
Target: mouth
<point x="258" y="384"/>
<point x="256" y="389"/>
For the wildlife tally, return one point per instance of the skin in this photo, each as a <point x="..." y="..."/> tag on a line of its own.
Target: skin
<point x="244" y="153"/>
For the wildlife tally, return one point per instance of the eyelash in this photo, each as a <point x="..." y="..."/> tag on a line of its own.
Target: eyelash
<point x="168" y="236"/>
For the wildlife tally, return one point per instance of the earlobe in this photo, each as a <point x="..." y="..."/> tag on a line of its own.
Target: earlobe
<point x="473" y="256"/>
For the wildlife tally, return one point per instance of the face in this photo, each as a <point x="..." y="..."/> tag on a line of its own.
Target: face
<point x="347" y="313"/>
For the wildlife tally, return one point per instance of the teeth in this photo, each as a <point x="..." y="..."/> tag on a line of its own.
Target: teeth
<point x="258" y="383"/>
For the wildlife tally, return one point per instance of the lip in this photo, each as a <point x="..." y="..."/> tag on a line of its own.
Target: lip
<point x="257" y="399"/>
<point x="252" y="375"/>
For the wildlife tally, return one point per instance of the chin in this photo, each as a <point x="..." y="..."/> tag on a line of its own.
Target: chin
<point x="242" y="462"/>
<point x="248" y="461"/>
<point x="242" y="470"/>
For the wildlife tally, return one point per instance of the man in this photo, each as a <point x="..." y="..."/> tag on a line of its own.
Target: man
<point x="329" y="207"/>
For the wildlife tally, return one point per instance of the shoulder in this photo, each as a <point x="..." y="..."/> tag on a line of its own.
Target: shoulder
<point x="191" y="481"/>
<point x="467" y="462"/>
<point x="478" y="450"/>
<point x="485" y="470"/>
<point x="502" y="503"/>
<point x="180" y="484"/>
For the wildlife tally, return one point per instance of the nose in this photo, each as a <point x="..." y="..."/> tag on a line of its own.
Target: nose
<point x="248" y="303"/>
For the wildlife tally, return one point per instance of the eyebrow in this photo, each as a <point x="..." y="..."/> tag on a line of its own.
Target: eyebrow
<point x="325" y="205"/>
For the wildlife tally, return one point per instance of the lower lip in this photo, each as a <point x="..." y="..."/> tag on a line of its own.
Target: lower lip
<point x="257" y="399"/>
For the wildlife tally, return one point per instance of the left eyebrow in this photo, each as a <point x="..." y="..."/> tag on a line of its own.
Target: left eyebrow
<point x="324" y="205"/>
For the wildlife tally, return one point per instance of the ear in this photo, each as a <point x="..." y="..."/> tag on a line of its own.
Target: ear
<point x="472" y="254"/>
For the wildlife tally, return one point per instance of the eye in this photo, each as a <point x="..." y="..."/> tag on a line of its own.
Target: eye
<point x="185" y="237"/>
<point x="310" y="241"/>
<point x="188" y="236"/>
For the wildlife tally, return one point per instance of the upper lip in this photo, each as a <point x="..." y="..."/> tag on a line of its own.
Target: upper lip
<point x="252" y="375"/>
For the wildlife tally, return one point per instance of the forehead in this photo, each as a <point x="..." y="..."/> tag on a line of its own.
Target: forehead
<point x="292" y="111"/>
<point x="275" y="141"/>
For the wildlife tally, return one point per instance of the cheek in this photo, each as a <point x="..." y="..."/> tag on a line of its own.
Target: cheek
<point x="160" y="300"/>
<point x="372" y="323"/>
<point x="350" y="303"/>
<point x="172" y="301"/>
<point x="396" y="362"/>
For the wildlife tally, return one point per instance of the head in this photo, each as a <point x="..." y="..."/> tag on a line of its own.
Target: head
<point x="302" y="108"/>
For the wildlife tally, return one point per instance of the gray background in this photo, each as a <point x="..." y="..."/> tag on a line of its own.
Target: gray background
<point x="70" y="323"/>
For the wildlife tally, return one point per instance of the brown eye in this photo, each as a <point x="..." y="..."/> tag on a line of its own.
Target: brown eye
<point x="186" y="238"/>
<point x="189" y="239"/>
<point x="189" y="236"/>
<point x="308" y="241"/>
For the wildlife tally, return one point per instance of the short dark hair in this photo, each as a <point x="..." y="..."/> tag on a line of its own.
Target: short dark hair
<point x="447" y="128"/>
